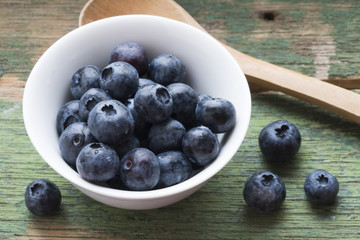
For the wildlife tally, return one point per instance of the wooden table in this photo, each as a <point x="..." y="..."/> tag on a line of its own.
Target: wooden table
<point x="318" y="38"/>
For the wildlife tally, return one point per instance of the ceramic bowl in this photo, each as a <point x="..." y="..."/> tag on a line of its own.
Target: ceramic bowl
<point x="210" y="70"/>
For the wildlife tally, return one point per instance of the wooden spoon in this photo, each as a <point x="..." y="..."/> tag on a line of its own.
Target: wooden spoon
<point x="258" y="73"/>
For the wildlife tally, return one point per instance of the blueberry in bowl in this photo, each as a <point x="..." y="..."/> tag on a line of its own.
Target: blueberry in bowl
<point x="94" y="43"/>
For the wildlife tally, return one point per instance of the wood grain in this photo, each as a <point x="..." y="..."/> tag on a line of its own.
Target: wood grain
<point x="217" y="211"/>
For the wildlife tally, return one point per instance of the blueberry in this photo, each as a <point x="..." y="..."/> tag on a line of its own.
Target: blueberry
<point x="73" y="139"/>
<point x="166" y="136"/>
<point x="83" y="79"/>
<point x="140" y="169"/>
<point x="42" y="197"/>
<point x="120" y="80"/>
<point x="185" y="100"/>
<point x="97" y="162"/>
<point x="145" y="81"/>
<point x="217" y="114"/>
<point x="166" y="69"/>
<point x="132" y="53"/>
<point x="203" y="96"/>
<point x="279" y="141"/>
<point x="153" y="103"/>
<point x="264" y="191"/>
<point x="89" y="99"/>
<point x="127" y="146"/>
<point x="321" y="187"/>
<point x="174" y="168"/>
<point x="200" y="145"/>
<point x="67" y="114"/>
<point x="141" y="126"/>
<point x="111" y="122"/>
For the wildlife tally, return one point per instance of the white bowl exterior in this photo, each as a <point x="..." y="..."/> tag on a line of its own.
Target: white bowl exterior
<point x="210" y="70"/>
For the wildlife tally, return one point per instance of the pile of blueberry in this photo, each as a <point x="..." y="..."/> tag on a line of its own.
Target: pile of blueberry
<point x="264" y="191"/>
<point x="136" y="124"/>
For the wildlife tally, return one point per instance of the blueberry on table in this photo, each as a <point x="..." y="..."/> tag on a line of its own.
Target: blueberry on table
<point x="120" y="80"/>
<point x="68" y="114"/>
<point x="111" y="122"/>
<point x="42" y="197"/>
<point x="185" y="99"/>
<point x="83" y="79"/>
<point x="174" y="168"/>
<point x="153" y="103"/>
<point x="132" y="53"/>
<point x="321" y="187"/>
<point x="264" y="191"/>
<point x="200" y="145"/>
<point x="97" y="162"/>
<point x="73" y="139"/>
<point x="279" y="141"/>
<point x="89" y="99"/>
<point x="166" y="69"/>
<point x="140" y="169"/>
<point x="218" y="114"/>
<point x="166" y="135"/>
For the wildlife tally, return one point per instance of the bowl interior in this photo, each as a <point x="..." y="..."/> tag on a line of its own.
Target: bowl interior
<point x="210" y="70"/>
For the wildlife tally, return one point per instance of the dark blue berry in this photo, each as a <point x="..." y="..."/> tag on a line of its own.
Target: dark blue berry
<point x="153" y="103"/>
<point x="321" y="187"/>
<point x="120" y="80"/>
<point x="85" y="78"/>
<point x="68" y="114"/>
<point x="200" y="145"/>
<point x="89" y="99"/>
<point x="174" y="168"/>
<point x="132" y="53"/>
<point x="185" y="100"/>
<point x="140" y="169"/>
<point x="166" y="136"/>
<point x="127" y="146"/>
<point x="145" y="81"/>
<point x="42" y="197"/>
<point x="279" y="141"/>
<point x="111" y="122"/>
<point x="97" y="162"/>
<point x="141" y="126"/>
<point x="73" y="139"/>
<point x="264" y="191"/>
<point x="217" y="114"/>
<point x="166" y="69"/>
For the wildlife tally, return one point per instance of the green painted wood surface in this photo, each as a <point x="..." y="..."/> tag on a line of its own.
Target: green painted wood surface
<point x="318" y="38"/>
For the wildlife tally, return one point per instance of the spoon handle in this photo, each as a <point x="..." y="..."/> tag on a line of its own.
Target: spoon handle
<point x="322" y="94"/>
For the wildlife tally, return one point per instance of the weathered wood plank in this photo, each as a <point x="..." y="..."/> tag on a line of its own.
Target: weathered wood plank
<point x="217" y="211"/>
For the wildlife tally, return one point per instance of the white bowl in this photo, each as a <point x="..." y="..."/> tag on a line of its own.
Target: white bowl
<point x="210" y="70"/>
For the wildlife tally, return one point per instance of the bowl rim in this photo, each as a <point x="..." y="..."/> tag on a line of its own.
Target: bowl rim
<point x="197" y="180"/>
